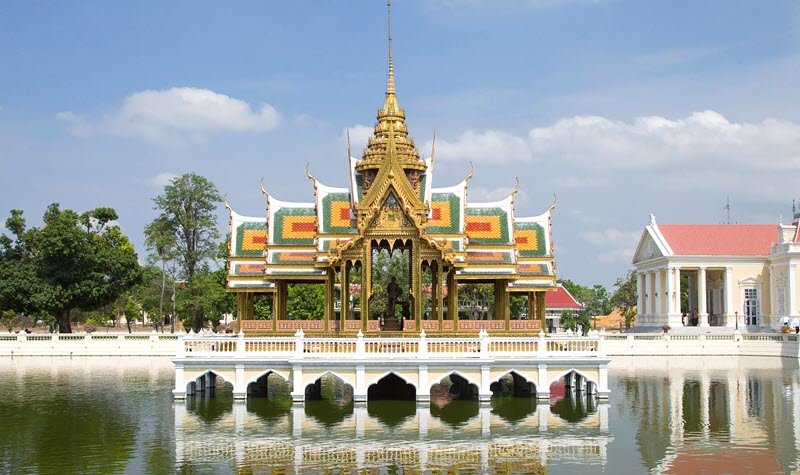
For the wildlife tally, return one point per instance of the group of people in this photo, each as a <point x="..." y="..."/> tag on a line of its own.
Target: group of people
<point x="694" y="319"/>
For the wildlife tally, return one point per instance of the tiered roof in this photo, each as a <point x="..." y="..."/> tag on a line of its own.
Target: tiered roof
<point x="302" y="240"/>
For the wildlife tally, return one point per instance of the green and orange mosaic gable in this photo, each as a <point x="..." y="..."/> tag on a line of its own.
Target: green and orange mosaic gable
<point x="251" y="239"/>
<point x="445" y="214"/>
<point x="530" y="239"/>
<point x="336" y="214"/>
<point x="487" y="226"/>
<point x="294" y="226"/>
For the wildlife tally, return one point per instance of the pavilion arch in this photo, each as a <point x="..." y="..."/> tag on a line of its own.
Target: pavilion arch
<point x="343" y="393"/>
<point x="207" y="379"/>
<point x="252" y="383"/>
<point x="399" y="387"/>
<point x="408" y="378"/>
<point x="572" y="371"/>
<point x="469" y="379"/>
<point x="529" y="383"/>
<point x="252" y="377"/>
<point x="462" y="388"/>
<point x="311" y="377"/>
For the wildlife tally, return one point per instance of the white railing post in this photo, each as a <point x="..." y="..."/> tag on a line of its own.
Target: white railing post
<point x="601" y="343"/>
<point x="240" y="348"/>
<point x="423" y="345"/>
<point x="22" y="336"/>
<point x="484" y="345"/>
<point x="360" y="345"/>
<point x="542" y="344"/>
<point x="298" y="342"/>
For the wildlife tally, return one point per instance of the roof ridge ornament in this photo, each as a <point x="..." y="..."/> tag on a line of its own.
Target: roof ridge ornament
<point x="653" y="220"/>
<point x="390" y="79"/>
<point x="263" y="190"/>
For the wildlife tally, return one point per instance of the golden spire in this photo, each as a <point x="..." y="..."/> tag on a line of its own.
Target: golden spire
<point x="390" y="81"/>
<point x="391" y="121"/>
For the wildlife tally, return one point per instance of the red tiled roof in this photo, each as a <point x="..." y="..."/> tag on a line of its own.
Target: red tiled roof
<point x="720" y="239"/>
<point x="560" y="299"/>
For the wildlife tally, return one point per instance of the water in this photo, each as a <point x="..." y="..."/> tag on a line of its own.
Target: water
<point x="678" y="415"/>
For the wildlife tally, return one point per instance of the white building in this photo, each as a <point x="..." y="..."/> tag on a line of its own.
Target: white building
<point x="734" y="275"/>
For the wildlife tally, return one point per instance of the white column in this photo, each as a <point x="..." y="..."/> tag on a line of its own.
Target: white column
<point x="702" y="310"/>
<point x="239" y="386"/>
<point x="602" y="382"/>
<point x="360" y="391"/>
<point x="640" y="292"/>
<point x="423" y="395"/>
<point x="180" y="383"/>
<point x="669" y="295"/>
<point x="730" y="314"/>
<point x="772" y="310"/>
<point x="298" y="391"/>
<point x="484" y="392"/>
<point x="542" y="385"/>
<point x="648" y="297"/>
<point x="791" y="298"/>
<point x="659" y="294"/>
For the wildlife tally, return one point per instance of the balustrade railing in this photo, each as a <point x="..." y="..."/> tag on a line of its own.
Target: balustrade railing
<point x="483" y="346"/>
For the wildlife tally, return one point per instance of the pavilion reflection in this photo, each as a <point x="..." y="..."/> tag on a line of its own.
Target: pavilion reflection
<point x="509" y="436"/>
<point x="692" y="410"/>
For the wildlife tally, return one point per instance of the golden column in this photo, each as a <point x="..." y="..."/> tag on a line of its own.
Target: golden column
<point x="366" y="284"/>
<point x="452" y="297"/>
<point x="344" y="282"/>
<point x="330" y="298"/>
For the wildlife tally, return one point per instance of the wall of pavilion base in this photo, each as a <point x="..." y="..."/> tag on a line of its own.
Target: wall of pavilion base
<point x="420" y="362"/>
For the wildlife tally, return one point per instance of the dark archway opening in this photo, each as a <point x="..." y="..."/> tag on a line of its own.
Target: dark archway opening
<point x="513" y="385"/>
<point x="570" y="401"/>
<point x="391" y="388"/>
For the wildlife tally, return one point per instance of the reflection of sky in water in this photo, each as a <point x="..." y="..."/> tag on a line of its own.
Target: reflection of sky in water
<point x="677" y="415"/>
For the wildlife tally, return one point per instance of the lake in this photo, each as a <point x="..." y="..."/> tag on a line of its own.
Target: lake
<point x="665" y="415"/>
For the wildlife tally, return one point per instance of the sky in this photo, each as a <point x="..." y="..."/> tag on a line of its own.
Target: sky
<point x="619" y="108"/>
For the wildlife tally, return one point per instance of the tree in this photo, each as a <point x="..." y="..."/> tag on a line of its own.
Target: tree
<point x="160" y="241"/>
<point x="305" y="301"/>
<point x="568" y="321"/>
<point x="204" y="298"/>
<point x="625" y="297"/>
<point x="72" y="262"/>
<point x="187" y="223"/>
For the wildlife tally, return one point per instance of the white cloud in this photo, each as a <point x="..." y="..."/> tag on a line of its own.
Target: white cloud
<point x="175" y="115"/>
<point x="359" y="134"/>
<point x="494" y="146"/>
<point x="162" y="179"/>
<point x="706" y="138"/>
<point x="612" y="244"/>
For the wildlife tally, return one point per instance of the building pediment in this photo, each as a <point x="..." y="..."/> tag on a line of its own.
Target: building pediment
<point x="648" y="248"/>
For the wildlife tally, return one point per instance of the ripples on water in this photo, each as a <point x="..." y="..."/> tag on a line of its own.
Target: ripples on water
<point x="684" y="415"/>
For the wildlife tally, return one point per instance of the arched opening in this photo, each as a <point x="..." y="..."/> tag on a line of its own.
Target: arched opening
<point x="329" y="399"/>
<point x="572" y="397"/>
<point x="454" y="400"/>
<point x="512" y="384"/>
<point x="208" y="385"/>
<point x="391" y="388"/>
<point x="269" y="385"/>
<point x="391" y="300"/>
<point x="513" y="397"/>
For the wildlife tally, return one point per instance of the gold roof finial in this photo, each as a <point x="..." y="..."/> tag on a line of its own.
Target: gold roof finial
<point x="390" y="81"/>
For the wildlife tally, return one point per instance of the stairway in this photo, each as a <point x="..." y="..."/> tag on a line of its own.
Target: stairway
<point x="392" y="325"/>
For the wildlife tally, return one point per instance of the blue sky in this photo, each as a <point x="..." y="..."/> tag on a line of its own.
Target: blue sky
<point x="620" y="107"/>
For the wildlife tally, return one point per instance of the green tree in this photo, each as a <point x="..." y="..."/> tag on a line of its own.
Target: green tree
<point x="305" y="301"/>
<point x="568" y="321"/>
<point x="625" y="297"/>
<point x="72" y="262"/>
<point x="160" y="242"/>
<point x="187" y="221"/>
<point x="204" y="298"/>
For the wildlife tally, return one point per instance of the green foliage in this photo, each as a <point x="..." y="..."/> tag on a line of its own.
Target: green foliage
<point x="478" y="300"/>
<point x="73" y="261"/>
<point x="305" y="301"/>
<point x="518" y="305"/>
<point x="7" y="317"/>
<point x="595" y="299"/>
<point x="625" y="297"/>
<point x="204" y="299"/>
<point x="568" y="320"/>
<point x="262" y="307"/>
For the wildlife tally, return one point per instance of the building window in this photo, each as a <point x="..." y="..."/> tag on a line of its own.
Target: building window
<point x="751" y="306"/>
<point x="781" y="297"/>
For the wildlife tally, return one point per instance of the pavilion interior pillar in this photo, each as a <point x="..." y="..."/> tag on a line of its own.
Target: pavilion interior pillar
<point x="439" y="286"/>
<point x="540" y="309"/>
<point x="416" y="284"/>
<point x="330" y="299"/>
<point x="250" y="310"/>
<point x="344" y="282"/>
<point x="366" y="284"/>
<point x="702" y="305"/>
<point x="452" y="296"/>
<point x="279" y="304"/>
<point x="531" y="301"/>
<point x="240" y="299"/>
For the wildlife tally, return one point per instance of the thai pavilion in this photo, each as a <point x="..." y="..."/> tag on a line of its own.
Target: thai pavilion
<point x="352" y="240"/>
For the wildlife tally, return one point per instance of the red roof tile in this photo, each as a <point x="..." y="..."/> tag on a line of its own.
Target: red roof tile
<point x="720" y="239"/>
<point x="560" y="298"/>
